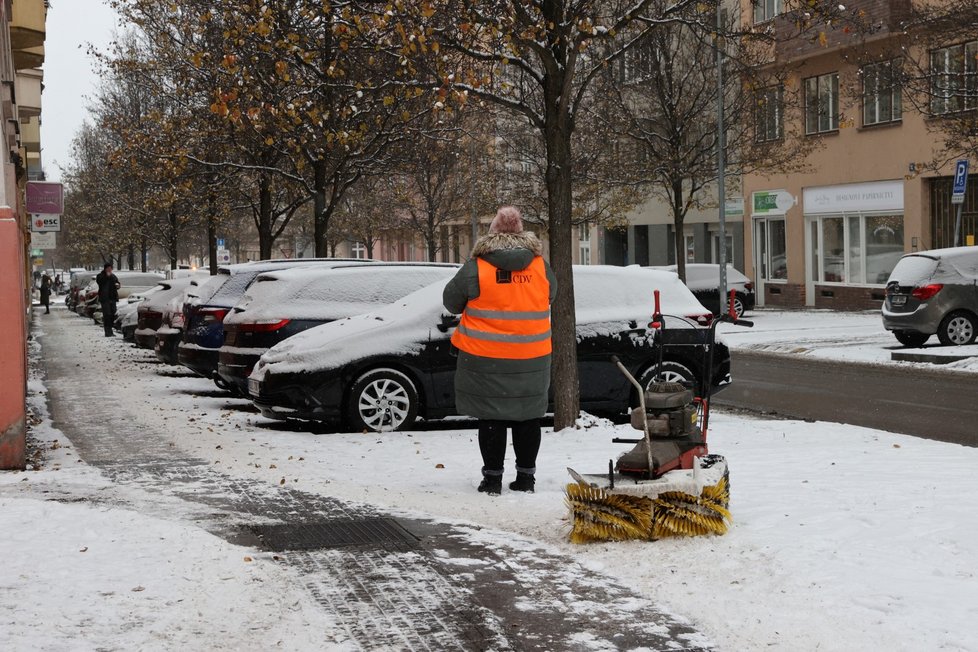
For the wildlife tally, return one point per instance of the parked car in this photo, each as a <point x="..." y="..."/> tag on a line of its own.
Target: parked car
<point x="129" y="283"/>
<point x="150" y="312"/>
<point x="932" y="292"/>
<point x="79" y="279"/>
<point x="703" y="280"/>
<point x="170" y="332"/>
<point x="203" y="318"/>
<point x="124" y="308"/>
<point x="384" y="369"/>
<point x="281" y="304"/>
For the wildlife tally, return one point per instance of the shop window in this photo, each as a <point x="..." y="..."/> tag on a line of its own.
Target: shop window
<point x="690" y="242"/>
<point x="856" y="249"/>
<point x="772" y="250"/>
<point x="882" y="97"/>
<point x="822" y="103"/>
<point x="954" y="78"/>
<point x="766" y="9"/>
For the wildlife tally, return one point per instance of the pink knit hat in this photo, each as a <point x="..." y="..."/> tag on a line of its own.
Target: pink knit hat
<point x="507" y="220"/>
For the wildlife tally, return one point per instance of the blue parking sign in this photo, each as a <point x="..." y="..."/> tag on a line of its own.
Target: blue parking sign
<point x="960" y="182"/>
<point x="220" y="242"/>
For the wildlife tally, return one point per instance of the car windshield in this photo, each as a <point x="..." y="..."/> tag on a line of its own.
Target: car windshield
<point x="233" y="288"/>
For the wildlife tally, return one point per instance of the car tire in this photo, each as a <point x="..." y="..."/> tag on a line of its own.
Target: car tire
<point x="382" y="400"/>
<point x="672" y="371"/>
<point x="911" y="339"/>
<point x="958" y="328"/>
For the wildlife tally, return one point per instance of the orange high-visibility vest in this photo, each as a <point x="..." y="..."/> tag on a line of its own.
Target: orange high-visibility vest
<point x="511" y="316"/>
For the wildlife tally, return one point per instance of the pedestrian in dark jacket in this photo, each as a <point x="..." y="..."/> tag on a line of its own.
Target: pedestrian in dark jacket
<point x="108" y="296"/>
<point x="46" y="284"/>
<point x="504" y="294"/>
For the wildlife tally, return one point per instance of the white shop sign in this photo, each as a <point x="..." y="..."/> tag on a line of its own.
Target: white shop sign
<point x="46" y="240"/>
<point x="854" y="198"/>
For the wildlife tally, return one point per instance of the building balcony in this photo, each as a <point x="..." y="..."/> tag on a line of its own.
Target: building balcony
<point x="879" y="19"/>
<point x="29" y="58"/>
<point x="28" y="85"/>
<point x="27" y="24"/>
<point x="30" y="134"/>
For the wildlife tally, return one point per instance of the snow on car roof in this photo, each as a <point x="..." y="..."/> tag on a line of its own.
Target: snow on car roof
<point x="947" y="265"/>
<point x="706" y="276"/>
<point x="403" y="327"/>
<point x="173" y="287"/>
<point x="332" y="292"/>
<point x="604" y="294"/>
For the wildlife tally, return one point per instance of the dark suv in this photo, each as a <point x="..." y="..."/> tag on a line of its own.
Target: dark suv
<point x="382" y="370"/>
<point x="281" y="304"/>
<point x="203" y="319"/>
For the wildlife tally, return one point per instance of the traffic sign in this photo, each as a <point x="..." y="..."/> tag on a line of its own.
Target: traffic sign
<point x="220" y="243"/>
<point x="960" y="182"/>
<point x="44" y="222"/>
<point x="223" y="256"/>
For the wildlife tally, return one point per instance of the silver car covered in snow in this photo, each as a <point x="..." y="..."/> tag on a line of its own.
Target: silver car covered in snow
<point x="933" y="292"/>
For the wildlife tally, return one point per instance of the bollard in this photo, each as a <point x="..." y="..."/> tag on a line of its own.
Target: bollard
<point x="13" y="345"/>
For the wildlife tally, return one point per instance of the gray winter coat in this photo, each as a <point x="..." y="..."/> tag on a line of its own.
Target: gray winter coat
<point x="493" y="388"/>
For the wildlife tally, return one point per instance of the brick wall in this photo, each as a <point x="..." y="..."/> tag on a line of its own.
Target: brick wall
<point x="832" y="297"/>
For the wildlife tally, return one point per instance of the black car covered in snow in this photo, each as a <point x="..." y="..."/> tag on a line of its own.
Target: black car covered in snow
<point x="382" y="370"/>
<point x="284" y="303"/>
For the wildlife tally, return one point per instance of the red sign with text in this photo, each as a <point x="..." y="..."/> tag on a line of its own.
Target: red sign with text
<point x="45" y="197"/>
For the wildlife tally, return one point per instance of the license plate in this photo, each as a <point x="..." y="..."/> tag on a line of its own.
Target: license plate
<point x="898" y="299"/>
<point x="254" y="387"/>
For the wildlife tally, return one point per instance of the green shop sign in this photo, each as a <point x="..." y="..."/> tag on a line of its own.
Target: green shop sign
<point x="772" y="201"/>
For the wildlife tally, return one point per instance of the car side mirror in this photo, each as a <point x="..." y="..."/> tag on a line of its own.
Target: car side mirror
<point x="447" y="322"/>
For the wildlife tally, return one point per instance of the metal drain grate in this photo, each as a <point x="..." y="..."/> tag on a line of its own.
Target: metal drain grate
<point x="372" y="532"/>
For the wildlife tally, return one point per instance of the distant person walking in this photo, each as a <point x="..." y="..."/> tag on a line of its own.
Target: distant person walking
<point x="504" y="294"/>
<point x="108" y="296"/>
<point x="46" y="284"/>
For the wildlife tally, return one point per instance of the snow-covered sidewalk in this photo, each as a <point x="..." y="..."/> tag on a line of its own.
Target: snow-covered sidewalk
<point x="843" y="538"/>
<point x="831" y="335"/>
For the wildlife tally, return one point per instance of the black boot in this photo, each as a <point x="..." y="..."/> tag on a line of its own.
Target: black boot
<point x="523" y="482"/>
<point x="491" y="484"/>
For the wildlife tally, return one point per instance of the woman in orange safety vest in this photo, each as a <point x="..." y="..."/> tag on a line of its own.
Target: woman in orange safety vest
<point x="503" y="376"/>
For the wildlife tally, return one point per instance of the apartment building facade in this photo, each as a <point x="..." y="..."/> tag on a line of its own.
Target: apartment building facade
<point x="828" y="237"/>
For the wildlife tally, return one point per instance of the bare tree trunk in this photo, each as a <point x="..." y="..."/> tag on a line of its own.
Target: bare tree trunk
<point x="212" y="233"/>
<point x="172" y="240"/>
<point x="678" y="225"/>
<point x="265" y="219"/>
<point x="319" y="220"/>
<point x="557" y="135"/>
<point x="144" y="254"/>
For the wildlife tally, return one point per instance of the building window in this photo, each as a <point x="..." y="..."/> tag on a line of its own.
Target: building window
<point x="954" y="78"/>
<point x="690" y="241"/>
<point x="766" y="10"/>
<point x="728" y="252"/>
<point x="856" y="249"/>
<point x="882" y="98"/>
<point x="584" y="243"/>
<point x="358" y="250"/>
<point x="822" y="103"/>
<point x="635" y="64"/>
<point x="770" y="110"/>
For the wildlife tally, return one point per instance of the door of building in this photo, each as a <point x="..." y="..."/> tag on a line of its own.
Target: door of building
<point x="770" y="263"/>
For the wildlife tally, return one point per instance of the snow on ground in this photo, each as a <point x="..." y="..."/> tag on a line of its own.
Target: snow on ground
<point x="831" y="335"/>
<point x="844" y="538"/>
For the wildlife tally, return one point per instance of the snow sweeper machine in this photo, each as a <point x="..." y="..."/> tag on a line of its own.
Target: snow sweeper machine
<point x="668" y="484"/>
